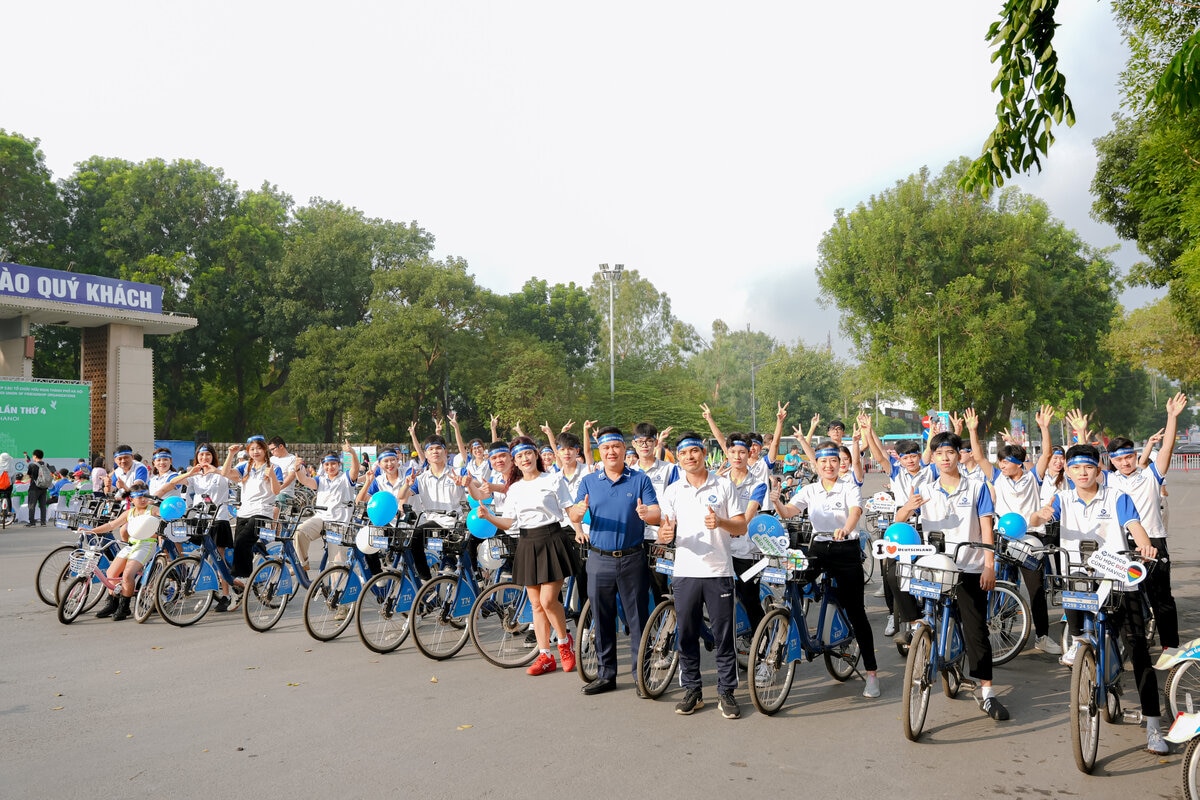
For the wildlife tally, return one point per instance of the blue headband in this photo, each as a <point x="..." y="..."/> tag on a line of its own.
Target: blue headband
<point x="1124" y="451"/>
<point x="828" y="452"/>
<point x="1013" y="460"/>
<point x="1057" y="451"/>
<point x="521" y="448"/>
<point x="1083" y="460"/>
<point x="689" y="442"/>
<point x="139" y="493"/>
<point x="966" y="448"/>
<point x="611" y="437"/>
<point x="257" y="438"/>
<point x="434" y="444"/>
<point x="495" y="451"/>
<point x="548" y="449"/>
<point x="387" y="454"/>
<point x="334" y="459"/>
<point x="739" y="443"/>
<point x="120" y="453"/>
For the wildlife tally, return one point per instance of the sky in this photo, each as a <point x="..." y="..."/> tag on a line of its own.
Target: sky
<point x="706" y="145"/>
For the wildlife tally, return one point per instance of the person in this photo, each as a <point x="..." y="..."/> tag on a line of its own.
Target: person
<point x="701" y="514"/>
<point x="139" y="529"/>
<point x="436" y="494"/>
<point x="284" y="460"/>
<point x="661" y="474"/>
<point x="99" y="477"/>
<point x="622" y="502"/>
<point x="1017" y="490"/>
<point x="791" y="462"/>
<point x="261" y="482"/>
<point x="752" y="494"/>
<point x="535" y="504"/>
<point x="127" y="470"/>
<point x="835" y="506"/>
<point x="39" y="472"/>
<point x="63" y="479"/>
<point x="8" y="469"/>
<point x="161" y="485"/>
<point x="1100" y="513"/>
<point x="335" y="503"/>
<point x="206" y="482"/>
<point x="962" y="510"/>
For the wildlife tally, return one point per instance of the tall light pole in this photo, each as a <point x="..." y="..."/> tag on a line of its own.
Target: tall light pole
<point x="939" y="313"/>
<point x="612" y="276"/>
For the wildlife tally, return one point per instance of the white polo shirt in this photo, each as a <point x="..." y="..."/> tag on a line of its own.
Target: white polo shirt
<point x="957" y="515"/>
<point x="1102" y="520"/>
<point x="1144" y="487"/>
<point x="537" y="502"/>
<point x="829" y="509"/>
<point x="1021" y="496"/>
<point x="661" y="474"/>
<point x="750" y="488"/>
<point x="700" y="552"/>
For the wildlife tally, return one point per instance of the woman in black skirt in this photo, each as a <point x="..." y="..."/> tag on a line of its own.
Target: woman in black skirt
<point x="535" y="503"/>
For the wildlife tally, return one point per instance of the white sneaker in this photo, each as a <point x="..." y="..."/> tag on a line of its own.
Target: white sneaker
<point x="763" y="675"/>
<point x="872" y="687"/>
<point x="1155" y="743"/>
<point x="1068" y="658"/>
<point x="880" y="592"/>
<point x="1048" y="646"/>
<point x="890" y="627"/>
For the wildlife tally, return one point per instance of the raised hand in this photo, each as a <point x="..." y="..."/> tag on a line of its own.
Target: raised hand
<point x="970" y="419"/>
<point x="781" y="412"/>
<point x="666" y="531"/>
<point x="706" y="412"/>
<point x="711" y="521"/>
<point x="437" y="424"/>
<point x="1176" y="404"/>
<point x="1044" y="416"/>
<point x="642" y="509"/>
<point x="569" y="424"/>
<point x="452" y="418"/>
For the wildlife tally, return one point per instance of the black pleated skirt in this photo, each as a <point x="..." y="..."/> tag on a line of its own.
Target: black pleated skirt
<point x="542" y="556"/>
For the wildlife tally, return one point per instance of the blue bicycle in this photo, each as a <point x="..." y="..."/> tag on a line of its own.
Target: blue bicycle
<point x="189" y="584"/>
<point x="332" y="597"/>
<point x="277" y="578"/>
<point x="386" y="601"/>
<point x="443" y="606"/>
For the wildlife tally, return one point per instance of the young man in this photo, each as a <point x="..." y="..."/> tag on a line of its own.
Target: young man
<point x="962" y="510"/>
<point x="285" y="461"/>
<point x="38" y="495"/>
<point x="622" y="503"/>
<point x="701" y="515"/>
<point x="435" y="491"/>
<point x="661" y="474"/>
<point x="1098" y="513"/>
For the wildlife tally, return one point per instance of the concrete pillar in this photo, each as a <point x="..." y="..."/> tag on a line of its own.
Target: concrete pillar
<point x="121" y="371"/>
<point x="16" y="352"/>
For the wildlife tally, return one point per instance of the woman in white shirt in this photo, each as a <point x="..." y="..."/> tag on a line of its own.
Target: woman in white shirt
<point x="536" y="502"/>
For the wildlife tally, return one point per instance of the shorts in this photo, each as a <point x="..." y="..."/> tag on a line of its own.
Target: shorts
<point x="140" y="551"/>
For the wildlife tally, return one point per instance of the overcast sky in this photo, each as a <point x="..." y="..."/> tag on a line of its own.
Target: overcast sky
<point x="704" y="144"/>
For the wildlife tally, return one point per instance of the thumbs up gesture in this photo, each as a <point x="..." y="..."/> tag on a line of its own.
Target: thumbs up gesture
<point x="710" y="519"/>
<point x="642" y="509"/>
<point x="666" y="531"/>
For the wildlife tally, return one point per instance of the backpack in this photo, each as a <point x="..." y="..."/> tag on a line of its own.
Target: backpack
<point x="5" y="481"/>
<point x="44" y="478"/>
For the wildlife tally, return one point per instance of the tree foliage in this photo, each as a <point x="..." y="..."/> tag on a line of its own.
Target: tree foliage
<point x="1154" y="338"/>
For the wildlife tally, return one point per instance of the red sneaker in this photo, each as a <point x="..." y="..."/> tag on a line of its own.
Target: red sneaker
<point x="567" y="653"/>
<point x="542" y="664"/>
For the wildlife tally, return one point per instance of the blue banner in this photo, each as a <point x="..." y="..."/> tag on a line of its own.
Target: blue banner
<point x="36" y="283"/>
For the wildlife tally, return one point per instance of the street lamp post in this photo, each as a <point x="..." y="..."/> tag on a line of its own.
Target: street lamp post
<point x="612" y="276"/>
<point x="939" y="313"/>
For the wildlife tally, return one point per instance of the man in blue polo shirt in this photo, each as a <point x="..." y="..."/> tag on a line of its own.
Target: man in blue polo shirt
<point x="622" y="503"/>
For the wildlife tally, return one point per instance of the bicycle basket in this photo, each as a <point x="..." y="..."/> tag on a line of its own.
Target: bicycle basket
<point x="177" y="531"/>
<point x="449" y="541"/>
<point x="397" y="538"/>
<point x="931" y="579"/>
<point x="662" y="558"/>
<point x="340" y="534"/>
<point x="800" y="532"/>
<point x="1021" y="551"/>
<point x="84" y="561"/>
<point x="66" y="520"/>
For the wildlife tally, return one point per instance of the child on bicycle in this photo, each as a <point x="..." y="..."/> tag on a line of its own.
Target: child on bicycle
<point x="138" y="526"/>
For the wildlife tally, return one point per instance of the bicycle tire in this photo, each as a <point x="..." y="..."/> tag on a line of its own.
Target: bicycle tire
<point x="952" y="677"/>
<point x="1183" y="688"/>
<point x="49" y="574"/>
<point x="325" y="615"/>
<point x="262" y="604"/>
<point x="769" y="648"/>
<point x="842" y="662"/>
<point x="74" y="597"/>
<point x="494" y="628"/>
<point x="143" y="599"/>
<point x="868" y="564"/>
<point x="658" y="657"/>
<point x="434" y="631"/>
<point x="94" y="597"/>
<point x="918" y="683"/>
<point x="1191" y="770"/>
<point x="587" y="661"/>
<point x="1008" y="622"/>
<point x="177" y="600"/>
<point x="1085" y="717"/>
<point x="381" y="626"/>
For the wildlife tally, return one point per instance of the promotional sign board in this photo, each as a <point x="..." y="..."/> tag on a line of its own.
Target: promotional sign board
<point x="52" y="417"/>
<point x="36" y="283"/>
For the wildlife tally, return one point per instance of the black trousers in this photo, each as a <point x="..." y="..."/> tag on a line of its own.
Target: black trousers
<point x="692" y="596"/>
<point x="972" y="607"/>
<point x="1130" y="620"/>
<point x="1158" y="590"/>
<point x="842" y="561"/>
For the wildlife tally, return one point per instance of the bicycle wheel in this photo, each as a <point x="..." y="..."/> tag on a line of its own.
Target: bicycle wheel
<point x="586" y="659"/>
<point x="262" y="603"/>
<point x="1183" y="688"/>
<point x="1085" y="717"/>
<point x="74" y="597"/>
<point x="94" y="597"/>
<point x="952" y="677"/>
<point x="918" y="682"/>
<point x="1191" y="770"/>
<point x="657" y="657"/>
<point x="770" y="671"/>
<point x="177" y="600"/>
<point x="325" y="615"/>
<point x="143" y="599"/>
<point x="436" y="633"/>
<point x="49" y="573"/>
<point x="868" y="564"/>
<point x="382" y="626"/>
<point x="497" y="633"/>
<point x="1008" y="622"/>
<point x="842" y="660"/>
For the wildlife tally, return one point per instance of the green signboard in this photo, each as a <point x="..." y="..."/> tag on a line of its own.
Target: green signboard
<point x="52" y="417"/>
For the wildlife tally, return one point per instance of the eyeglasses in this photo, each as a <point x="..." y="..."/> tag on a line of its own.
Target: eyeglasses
<point x="642" y="440"/>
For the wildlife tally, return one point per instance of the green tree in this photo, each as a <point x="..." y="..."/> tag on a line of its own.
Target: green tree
<point x="1155" y="339"/>
<point x="558" y="314"/>
<point x="724" y="367"/>
<point x="646" y="330"/>
<point x="31" y="211"/>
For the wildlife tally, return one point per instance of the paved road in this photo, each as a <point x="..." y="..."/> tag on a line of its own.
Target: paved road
<point x="218" y="711"/>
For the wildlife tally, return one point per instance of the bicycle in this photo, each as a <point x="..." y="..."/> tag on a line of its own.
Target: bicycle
<point x="189" y="584"/>
<point x="1182" y="686"/>
<point x="52" y="571"/>
<point x="88" y="565"/>
<point x="781" y="640"/>
<point x="275" y="579"/>
<point x="169" y="549"/>
<point x="502" y="615"/>
<point x="1186" y="730"/>
<point x="441" y="611"/>
<point x="386" y="600"/>
<point x="331" y="599"/>
<point x="1009" y="618"/>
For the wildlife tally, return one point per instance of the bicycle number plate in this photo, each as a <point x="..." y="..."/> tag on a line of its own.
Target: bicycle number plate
<point x="773" y="575"/>
<point x="1081" y="601"/>
<point x="266" y="535"/>
<point x="379" y="541"/>
<point x="433" y="544"/>
<point x="63" y="523"/>
<point x="333" y="537"/>
<point x="925" y="589"/>
<point x="664" y="565"/>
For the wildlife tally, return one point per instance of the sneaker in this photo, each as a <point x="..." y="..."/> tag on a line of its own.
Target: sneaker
<point x="222" y="603"/>
<point x="662" y="661"/>
<point x="872" y="687"/>
<point x="530" y="640"/>
<point x="728" y="706"/>
<point x="542" y="664"/>
<point x="692" y="702"/>
<point x="1047" y="645"/>
<point x="342" y="612"/>
<point x="1155" y="743"/>
<point x="566" y="653"/>
<point x="1067" y="659"/>
<point x="993" y="708"/>
<point x="880" y="592"/>
<point x="763" y="675"/>
<point x="890" y="628"/>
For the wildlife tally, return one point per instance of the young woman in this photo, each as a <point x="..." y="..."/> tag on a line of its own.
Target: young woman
<point x="335" y="498"/>
<point x="536" y="504"/>
<point x="138" y="527"/>
<point x="161" y="485"/>
<point x="203" y="479"/>
<point x="261" y="481"/>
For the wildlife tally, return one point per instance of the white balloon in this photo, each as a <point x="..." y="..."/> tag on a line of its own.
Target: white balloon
<point x="143" y="526"/>
<point x="362" y="540"/>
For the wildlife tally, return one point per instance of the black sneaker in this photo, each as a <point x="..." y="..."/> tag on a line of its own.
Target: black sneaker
<point x="222" y="603"/>
<point x="692" y="701"/>
<point x="530" y="640"/>
<point x="992" y="707"/>
<point x="728" y="706"/>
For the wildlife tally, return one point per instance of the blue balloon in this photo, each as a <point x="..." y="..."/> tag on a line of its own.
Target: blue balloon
<point x="479" y="527"/>
<point x="172" y="508"/>
<point x="767" y="525"/>
<point x="472" y="502"/>
<point x="587" y="517"/>
<point x="902" y="533"/>
<point x="1012" y="525"/>
<point x="382" y="508"/>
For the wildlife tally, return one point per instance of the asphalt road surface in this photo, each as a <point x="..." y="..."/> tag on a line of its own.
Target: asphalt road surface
<point x="216" y="711"/>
